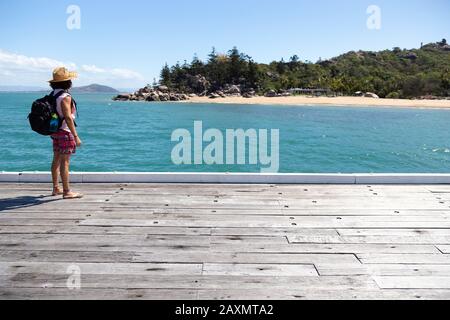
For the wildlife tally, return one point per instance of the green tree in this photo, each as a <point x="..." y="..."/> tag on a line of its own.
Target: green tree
<point x="197" y="66"/>
<point x="166" y="76"/>
<point x="236" y="66"/>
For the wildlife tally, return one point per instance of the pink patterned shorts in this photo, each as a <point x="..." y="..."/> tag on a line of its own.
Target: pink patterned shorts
<point x="64" y="143"/>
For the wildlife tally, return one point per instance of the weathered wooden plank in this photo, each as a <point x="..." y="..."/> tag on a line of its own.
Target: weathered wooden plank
<point x="336" y="211"/>
<point x="401" y="204"/>
<point x="412" y="282"/>
<point x="271" y="232"/>
<point x="96" y="294"/>
<point x="61" y="240"/>
<point x="316" y="294"/>
<point x="72" y="214"/>
<point x="383" y="269"/>
<point x="189" y="282"/>
<point x="243" y="258"/>
<point x="404" y="258"/>
<point x="406" y="270"/>
<point x="67" y="256"/>
<point x="278" y="222"/>
<point x="14" y="268"/>
<point x="88" y="230"/>
<point x="224" y="294"/>
<point x="328" y="248"/>
<point x="274" y="270"/>
<point x="207" y="221"/>
<point x="124" y="212"/>
<point x="38" y="222"/>
<point x="392" y="240"/>
<point x="394" y="232"/>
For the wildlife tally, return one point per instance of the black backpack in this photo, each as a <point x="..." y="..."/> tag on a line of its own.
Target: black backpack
<point x="43" y="115"/>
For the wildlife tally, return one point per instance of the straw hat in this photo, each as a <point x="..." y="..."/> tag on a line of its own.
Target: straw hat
<point x="62" y="74"/>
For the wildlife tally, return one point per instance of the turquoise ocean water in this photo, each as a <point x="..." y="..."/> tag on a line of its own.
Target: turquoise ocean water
<point x="131" y="136"/>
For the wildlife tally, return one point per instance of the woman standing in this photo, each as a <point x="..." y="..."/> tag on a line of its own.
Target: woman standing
<point x="66" y="140"/>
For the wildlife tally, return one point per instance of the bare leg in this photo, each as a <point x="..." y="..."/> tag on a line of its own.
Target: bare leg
<point x="55" y="173"/>
<point x="65" y="169"/>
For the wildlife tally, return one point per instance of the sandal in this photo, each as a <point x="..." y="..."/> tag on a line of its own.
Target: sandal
<point x="57" y="192"/>
<point x="70" y="195"/>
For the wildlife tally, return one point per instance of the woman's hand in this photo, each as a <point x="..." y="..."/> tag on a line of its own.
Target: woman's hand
<point x="78" y="141"/>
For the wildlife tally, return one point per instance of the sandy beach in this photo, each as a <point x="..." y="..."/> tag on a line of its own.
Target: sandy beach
<point x="342" y="101"/>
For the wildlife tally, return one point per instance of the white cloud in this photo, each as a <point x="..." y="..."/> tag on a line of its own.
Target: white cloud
<point x="16" y="69"/>
<point x="14" y="61"/>
<point x="92" y="69"/>
<point x="116" y="72"/>
<point x="126" y="74"/>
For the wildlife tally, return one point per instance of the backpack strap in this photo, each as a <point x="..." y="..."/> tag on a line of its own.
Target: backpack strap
<point x="59" y="94"/>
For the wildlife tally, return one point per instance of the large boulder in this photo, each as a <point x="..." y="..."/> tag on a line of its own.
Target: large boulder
<point x="145" y="90"/>
<point x="249" y="93"/>
<point x="122" y="97"/>
<point x="153" y="97"/>
<point x="163" y="88"/>
<point x="271" y="94"/>
<point x="371" y="95"/>
<point x="198" y="83"/>
<point x="233" y="90"/>
<point x="164" y="97"/>
<point x="214" y="96"/>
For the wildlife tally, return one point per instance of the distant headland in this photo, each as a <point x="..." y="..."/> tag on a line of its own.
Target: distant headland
<point x="92" y="88"/>
<point x="422" y="74"/>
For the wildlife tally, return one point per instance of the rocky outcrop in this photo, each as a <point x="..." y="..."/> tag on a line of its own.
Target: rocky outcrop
<point x="163" y="93"/>
<point x="281" y="93"/>
<point x="232" y="91"/>
<point x="153" y="94"/>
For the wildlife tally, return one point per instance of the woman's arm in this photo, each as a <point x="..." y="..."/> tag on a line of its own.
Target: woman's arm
<point x="66" y="106"/>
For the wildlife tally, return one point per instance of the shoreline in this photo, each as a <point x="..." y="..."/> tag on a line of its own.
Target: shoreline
<point x="324" y="101"/>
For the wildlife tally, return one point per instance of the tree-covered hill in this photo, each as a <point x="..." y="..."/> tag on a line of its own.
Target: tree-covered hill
<point x="396" y="73"/>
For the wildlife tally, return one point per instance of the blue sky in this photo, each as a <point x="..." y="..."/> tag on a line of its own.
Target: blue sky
<point x="125" y="43"/>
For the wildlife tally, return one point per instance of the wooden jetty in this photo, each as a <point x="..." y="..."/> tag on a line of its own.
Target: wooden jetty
<point x="207" y="241"/>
